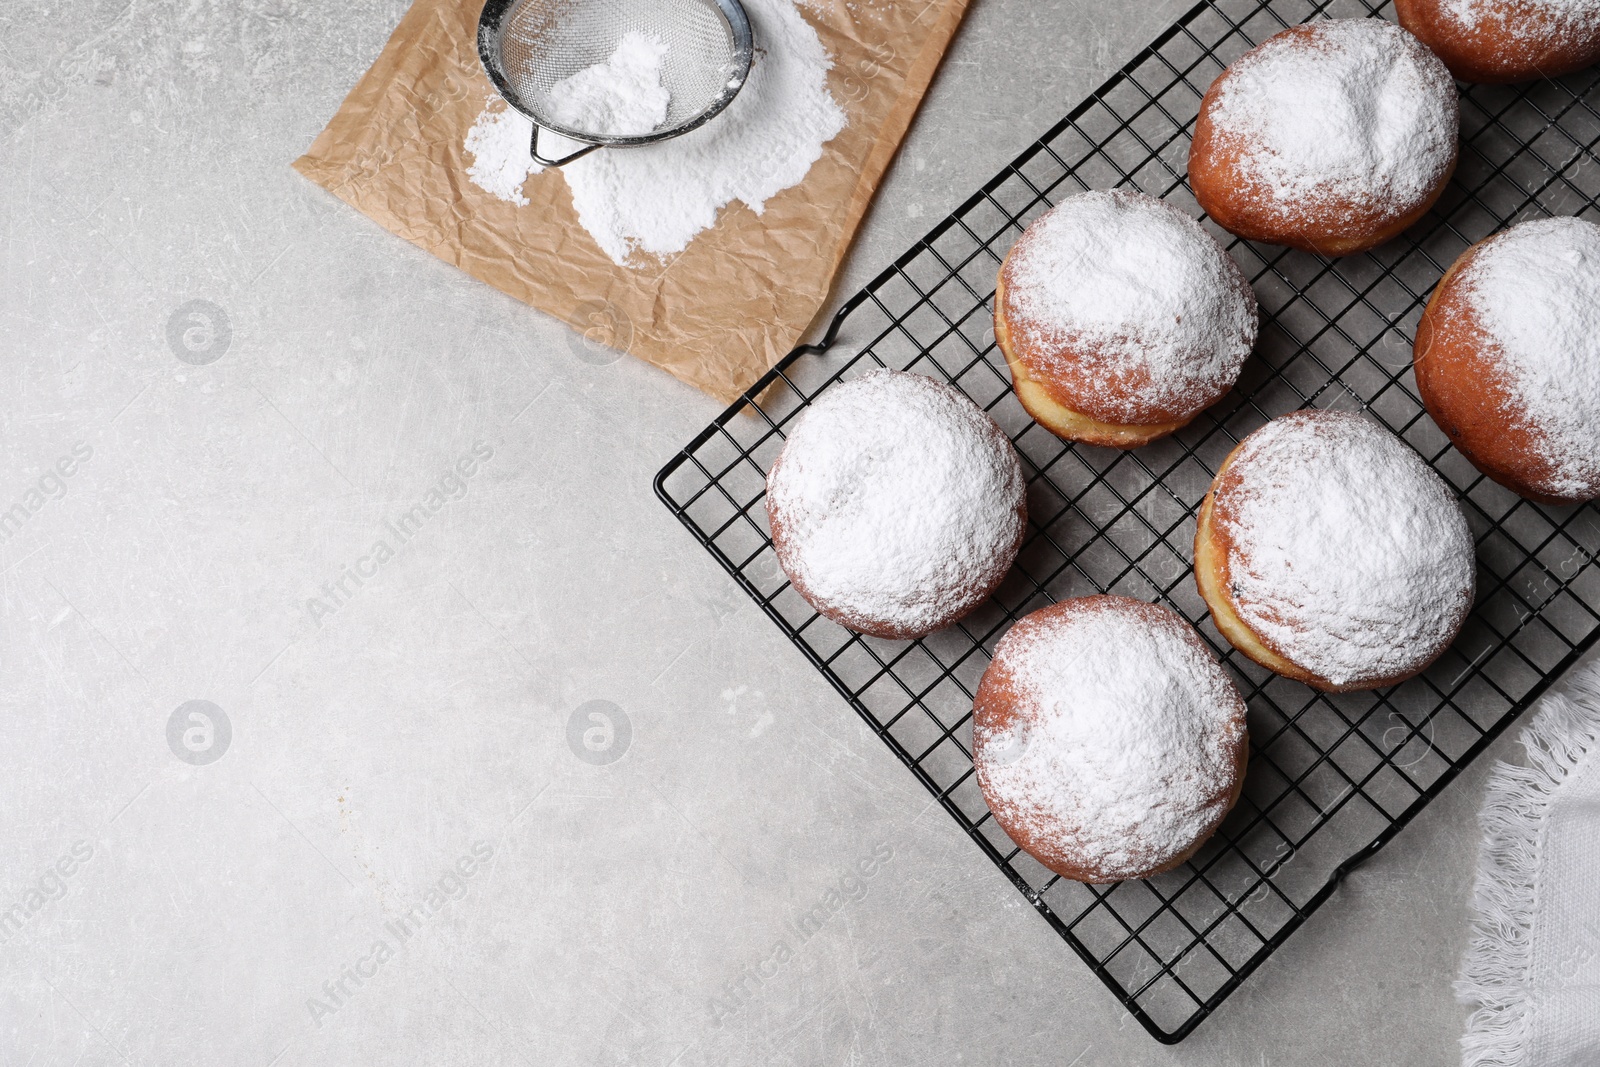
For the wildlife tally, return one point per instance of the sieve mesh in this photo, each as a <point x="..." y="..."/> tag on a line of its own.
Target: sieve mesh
<point x="537" y="43"/>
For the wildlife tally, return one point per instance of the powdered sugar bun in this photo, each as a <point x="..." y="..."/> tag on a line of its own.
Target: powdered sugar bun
<point x="896" y="505"/>
<point x="1502" y="41"/>
<point x="1328" y="551"/>
<point x="1108" y="741"/>
<point x="1331" y="137"/>
<point x="1508" y="358"/>
<point x="1121" y="319"/>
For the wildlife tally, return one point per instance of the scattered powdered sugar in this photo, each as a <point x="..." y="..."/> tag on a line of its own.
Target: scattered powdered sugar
<point x="622" y="97"/>
<point x="1360" y="112"/>
<point x="650" y="201"/>
<point x="655" y="199"/>
<point x="1535" y="290"/>
<point x="1528" y="18"/>
<point x="898" y="496"/>
<point x="500" y="142"/>
<point x="1349" y="555"/>
<point x="1122" y="749"/>
<point x="1151" y="304"/>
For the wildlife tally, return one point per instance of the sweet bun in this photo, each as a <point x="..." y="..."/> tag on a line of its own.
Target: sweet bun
<point x="1507" y="358"/>
<point x="1500" y="41"/>
<point x="1331" y="137"/>
<point x="1121" y="319"/>
<point x="896" y="506"/>
<point x="1329" y="552"/>
<point x="1108" y="741"/>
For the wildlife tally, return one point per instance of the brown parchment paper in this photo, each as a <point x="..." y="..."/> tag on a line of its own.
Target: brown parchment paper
<point x="717" y="315"/>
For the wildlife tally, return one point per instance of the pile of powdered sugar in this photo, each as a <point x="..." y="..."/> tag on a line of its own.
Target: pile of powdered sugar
<point x="1535" y="291"/>
<point x="499" y="143"/>
<point x="897" y="497"/>
<point x="622" y="97"/>
<point x="1122" y="748"/>
<point x="1152" y="305"/>
<point x="646" y="203"/>
<point x="1349" y="555"/>
<point x="1360" y="112"/>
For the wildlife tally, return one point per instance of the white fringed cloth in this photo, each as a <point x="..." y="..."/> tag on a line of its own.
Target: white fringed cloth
<point x="1533" y="964"/>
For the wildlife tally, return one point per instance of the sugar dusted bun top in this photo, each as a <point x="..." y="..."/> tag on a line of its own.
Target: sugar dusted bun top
<point x="1108" y="740"/>
<point x="1126" y="310"/>
<point x="1507" y="40"/>
<point x="1336" y="125"/>
<point x="896" y="505"/>
<point x="1526" y="305"/>
<point x="1345" y="553"/>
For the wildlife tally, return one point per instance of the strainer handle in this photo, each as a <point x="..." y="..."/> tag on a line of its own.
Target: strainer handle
<point x="543" y="162"/>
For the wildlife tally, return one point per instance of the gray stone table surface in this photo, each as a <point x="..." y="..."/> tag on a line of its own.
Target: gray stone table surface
<point x="417" y="845"/>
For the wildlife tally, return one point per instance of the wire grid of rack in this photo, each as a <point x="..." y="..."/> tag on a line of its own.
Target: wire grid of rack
<point x="1332" y="778"/>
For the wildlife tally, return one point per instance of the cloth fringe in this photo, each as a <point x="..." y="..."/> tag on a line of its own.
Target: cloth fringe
<point x="1499" y="955"/>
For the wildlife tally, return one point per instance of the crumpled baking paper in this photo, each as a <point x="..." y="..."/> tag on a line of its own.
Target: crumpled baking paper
<point x="719" y="314"/>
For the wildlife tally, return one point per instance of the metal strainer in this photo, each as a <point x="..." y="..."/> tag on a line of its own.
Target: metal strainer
<point x="527" y="46"/>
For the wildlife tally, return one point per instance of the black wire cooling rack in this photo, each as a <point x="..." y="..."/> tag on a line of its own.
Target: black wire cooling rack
<point x="1332" y="778"/>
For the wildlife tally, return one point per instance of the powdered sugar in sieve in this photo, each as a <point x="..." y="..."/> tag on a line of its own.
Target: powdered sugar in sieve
<point x="540" y="54"/>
